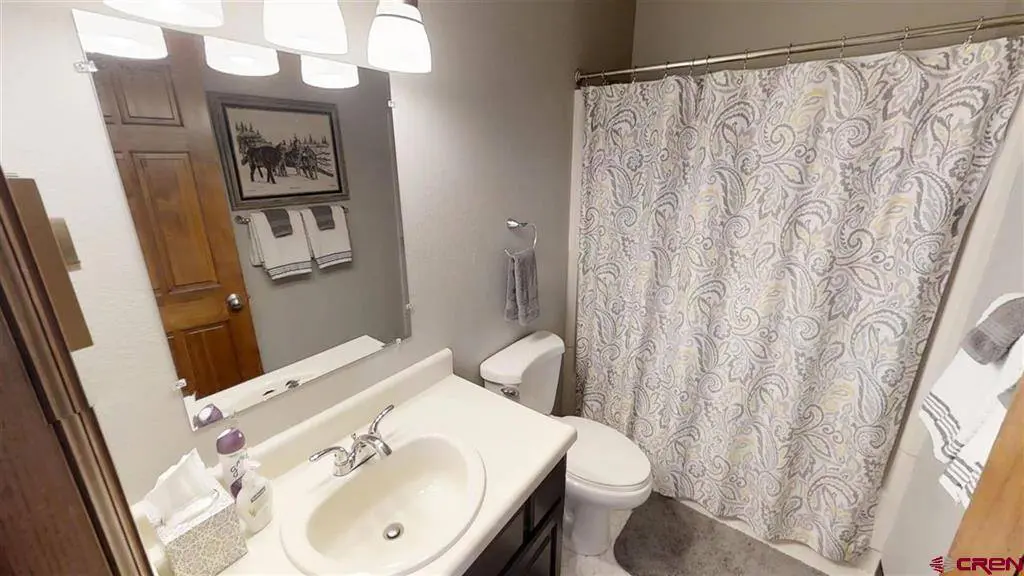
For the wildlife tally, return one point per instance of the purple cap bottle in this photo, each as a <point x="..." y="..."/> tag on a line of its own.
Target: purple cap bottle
<point x="232" y="455"/>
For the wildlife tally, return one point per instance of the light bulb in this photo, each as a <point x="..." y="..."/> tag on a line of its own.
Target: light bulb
<point x="328" y="73"/>
<point x="116" y="37"/>
<point x="198" y="13"/>
<point x="398" y="41"/>
<point x="305" y="25"/>
<point x="240" y="59"/>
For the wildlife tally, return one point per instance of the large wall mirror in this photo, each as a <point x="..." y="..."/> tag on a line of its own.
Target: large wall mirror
<point x="265" y="206"/>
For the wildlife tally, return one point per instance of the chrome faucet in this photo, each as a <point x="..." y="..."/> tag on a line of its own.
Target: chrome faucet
<point x="364" y="447"/>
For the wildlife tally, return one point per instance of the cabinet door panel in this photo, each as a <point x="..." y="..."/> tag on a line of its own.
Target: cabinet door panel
<point x="543" y="564"/>
<point x="502" y="549"/>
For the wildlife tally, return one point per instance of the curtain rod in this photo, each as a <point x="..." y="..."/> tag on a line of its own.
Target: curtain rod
<point x="970" y="27"/>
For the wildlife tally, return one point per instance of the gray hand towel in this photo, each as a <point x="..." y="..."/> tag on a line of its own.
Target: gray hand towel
<point x="522" y="297"/>
<point x="280" y="223"/>
<point x="323" y="216"/>
<point x="992" y="339"/>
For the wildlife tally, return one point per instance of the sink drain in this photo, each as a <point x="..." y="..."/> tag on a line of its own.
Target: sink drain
<point x="393" y="531"/>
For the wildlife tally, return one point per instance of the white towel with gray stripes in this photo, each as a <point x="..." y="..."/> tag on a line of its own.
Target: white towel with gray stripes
<point x="960" y="479"/>
<point x="280" y="256"/>
<point x="330" y="246"/>
<point x="964" y="406"/>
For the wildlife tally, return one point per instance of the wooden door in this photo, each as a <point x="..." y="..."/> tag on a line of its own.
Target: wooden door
<point x="993" y="526"/>
<point x="45" y="526"/>
<point x="62" y="510"/>
<point x="160" y="130"/>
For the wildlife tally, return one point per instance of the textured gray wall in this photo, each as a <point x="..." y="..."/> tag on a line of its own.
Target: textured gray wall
<point x="685" y="29"/>
<point x="301" y="316"/>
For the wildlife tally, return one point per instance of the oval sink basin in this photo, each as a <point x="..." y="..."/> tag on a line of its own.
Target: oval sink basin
<point x="391" y="516"/>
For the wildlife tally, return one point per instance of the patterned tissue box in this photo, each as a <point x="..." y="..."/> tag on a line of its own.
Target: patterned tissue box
<point x="207" y="543"/>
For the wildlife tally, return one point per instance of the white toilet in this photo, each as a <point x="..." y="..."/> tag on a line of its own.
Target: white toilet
<point x="605" y="470"/>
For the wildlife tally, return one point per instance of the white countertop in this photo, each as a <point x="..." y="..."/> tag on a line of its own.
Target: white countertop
<point x="517" y="445"/>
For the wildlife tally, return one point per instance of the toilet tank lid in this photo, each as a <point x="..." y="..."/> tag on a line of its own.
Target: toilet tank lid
<point x="508" y="365"/>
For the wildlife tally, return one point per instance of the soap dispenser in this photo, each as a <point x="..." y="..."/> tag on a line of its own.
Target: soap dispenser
<point x="254" y="502"/>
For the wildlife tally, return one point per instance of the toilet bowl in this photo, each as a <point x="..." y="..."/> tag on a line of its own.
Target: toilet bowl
<point x="605" y="471"/>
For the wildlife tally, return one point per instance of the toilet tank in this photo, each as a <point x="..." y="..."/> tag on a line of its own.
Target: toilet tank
<point x="530" y="365"/>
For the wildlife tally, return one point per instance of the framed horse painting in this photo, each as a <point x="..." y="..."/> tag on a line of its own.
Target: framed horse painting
<point x="278" y="152"/>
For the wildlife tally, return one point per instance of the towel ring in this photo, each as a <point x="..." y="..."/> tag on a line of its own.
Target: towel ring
<point x="513" y="224"/>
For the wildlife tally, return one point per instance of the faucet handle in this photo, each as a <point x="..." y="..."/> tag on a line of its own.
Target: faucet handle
<point x="339" y="453"/>
<point x="372" y="430"/>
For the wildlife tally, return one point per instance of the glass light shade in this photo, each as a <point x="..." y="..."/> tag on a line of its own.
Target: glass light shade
<point x="240" y="59"/>
<point x="398" y="41"/>
<point x="106" y="35"/>
<point x="306" y="25"/>
<point x="328" y="73"/>
<point x="198" y="13"/>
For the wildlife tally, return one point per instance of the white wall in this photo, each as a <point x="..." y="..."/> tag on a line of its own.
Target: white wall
<point x="486" y="135"/>
<point x="683" y="30"/>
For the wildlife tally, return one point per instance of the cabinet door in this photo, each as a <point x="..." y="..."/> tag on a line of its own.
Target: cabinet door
<point x="542" y="556"/>
<point x="543" y="564"/>
<point x="502" y="549"/>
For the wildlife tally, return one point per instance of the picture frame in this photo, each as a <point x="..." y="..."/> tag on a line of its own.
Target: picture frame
<point x="278" y="152"/>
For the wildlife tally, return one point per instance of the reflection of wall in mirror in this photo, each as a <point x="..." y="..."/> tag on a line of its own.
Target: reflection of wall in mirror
<point x="304" y="315"/>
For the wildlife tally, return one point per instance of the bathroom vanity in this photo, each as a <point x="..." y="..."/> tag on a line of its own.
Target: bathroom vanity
<point x="475" y="484"/>
<point x="531" y="543"/>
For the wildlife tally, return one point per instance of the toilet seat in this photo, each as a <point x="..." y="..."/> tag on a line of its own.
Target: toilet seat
<point x="604" y="460"/>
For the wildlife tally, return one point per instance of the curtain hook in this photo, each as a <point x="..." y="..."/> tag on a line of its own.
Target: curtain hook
<point x="692" y="63"/>
<point x="664" y="73"/>
<point x="789" y="54"/>
<point x="842" y="47"/>
<point x="632" y="76"/>
<point x="906" y="32"/>
<point x="970" y="37"/>
<point x="604" y="78"/>
<point x="746" y="56"/>
<point x="707" y="64"/>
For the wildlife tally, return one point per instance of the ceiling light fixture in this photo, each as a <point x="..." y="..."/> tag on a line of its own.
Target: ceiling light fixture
<point x="198" y="13"/>
<point x="308" y="25"/>
<point x="324" y="73"/>
<point x="240" y="59"/>
<point x="116" y="37"/>
<point x="398" y="40"/>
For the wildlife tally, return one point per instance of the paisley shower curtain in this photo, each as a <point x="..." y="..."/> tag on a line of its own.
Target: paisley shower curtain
<point x="762" y="256"/>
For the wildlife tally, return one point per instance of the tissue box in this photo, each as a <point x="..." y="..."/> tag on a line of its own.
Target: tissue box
<point x="207" y="543"/>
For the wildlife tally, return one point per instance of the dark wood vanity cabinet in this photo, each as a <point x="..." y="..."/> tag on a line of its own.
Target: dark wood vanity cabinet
<point x="531" y="543"/>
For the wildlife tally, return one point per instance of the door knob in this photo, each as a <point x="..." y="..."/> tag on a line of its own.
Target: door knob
<point x="234" y="302"/>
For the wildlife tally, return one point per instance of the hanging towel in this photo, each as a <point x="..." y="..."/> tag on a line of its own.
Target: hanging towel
<point x="992" y="339"/>
<point x="522" y="297"/>
<point x="324" y="217"/>
<point x="280" y="257"/>
<point x="960" y="479"/>
<point x="966" y="393"/>
<point x="330" y="246"/>
<point x="280" y="224"/>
